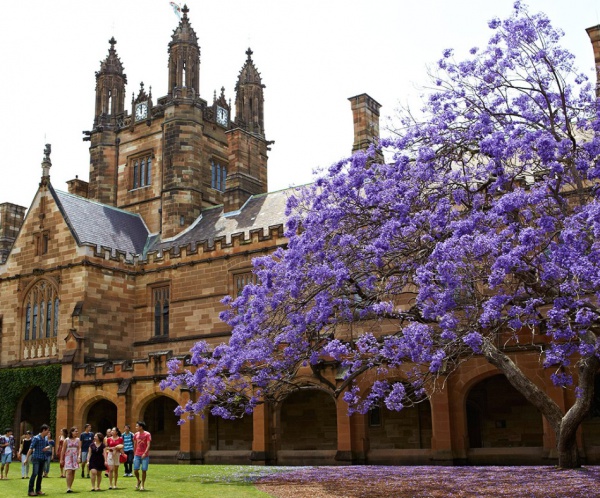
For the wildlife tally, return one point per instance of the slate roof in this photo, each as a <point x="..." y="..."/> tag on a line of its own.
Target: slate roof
<point x="259" y="212"/>
<point x="102" y="225"/>
<point x="106" y="226"/>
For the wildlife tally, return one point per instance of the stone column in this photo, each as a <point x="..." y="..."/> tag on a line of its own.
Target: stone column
<point x="261" y="442"/>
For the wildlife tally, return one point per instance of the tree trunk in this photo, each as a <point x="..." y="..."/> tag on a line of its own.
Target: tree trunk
<point x="532" y="393"/>
<point x="568" y="456"/>
<point x="565" y="426"/>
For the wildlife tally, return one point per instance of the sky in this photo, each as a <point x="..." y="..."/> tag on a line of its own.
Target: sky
<point x="313" y="55"/>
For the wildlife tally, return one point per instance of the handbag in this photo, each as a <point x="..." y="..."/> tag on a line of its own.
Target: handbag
<point x="122" y="458"/>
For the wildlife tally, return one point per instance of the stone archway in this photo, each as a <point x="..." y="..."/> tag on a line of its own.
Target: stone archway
<point x="161" y="422"/>
<point x="502" y="426"/>
<point x="230" y="435"/>
<point x="409" y="428"/>
<point x="34" y="411"/>
<point x="590" y="427"/>
<point x="308" y="421"/>
<point x="102" y="415"/>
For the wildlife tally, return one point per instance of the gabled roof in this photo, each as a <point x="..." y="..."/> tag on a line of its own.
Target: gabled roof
<point x="101" y="225"/>
<point x="259" y="212"/>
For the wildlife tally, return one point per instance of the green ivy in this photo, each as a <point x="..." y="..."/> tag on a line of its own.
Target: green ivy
<point x="16" y="381"/>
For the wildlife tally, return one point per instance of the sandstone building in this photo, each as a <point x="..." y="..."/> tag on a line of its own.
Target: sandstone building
<point x="102" y="284"/>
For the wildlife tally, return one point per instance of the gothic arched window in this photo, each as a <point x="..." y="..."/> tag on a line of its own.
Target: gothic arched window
<point x="41" y="311"/>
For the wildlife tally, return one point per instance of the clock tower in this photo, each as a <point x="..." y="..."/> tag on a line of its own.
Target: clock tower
<point x="170" y="158"/>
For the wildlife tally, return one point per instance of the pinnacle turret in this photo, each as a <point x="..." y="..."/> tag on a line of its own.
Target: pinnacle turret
<point x="249" y="100"/>
<point x="112" y="64"/>
<point x="184" y="61"/>
<point x="184" y="33"/>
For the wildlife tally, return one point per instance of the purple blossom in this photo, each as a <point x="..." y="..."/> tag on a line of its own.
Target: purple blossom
<point x="474" y="340"/>
<point x="478" y="228"/>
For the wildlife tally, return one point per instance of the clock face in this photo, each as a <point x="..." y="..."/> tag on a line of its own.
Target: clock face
<point x="222" y="116"/>
<point x="141" y="111"/>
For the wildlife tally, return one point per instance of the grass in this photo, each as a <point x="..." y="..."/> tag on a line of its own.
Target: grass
<point x="360" y="481"/>
<point x="174" y="481"/>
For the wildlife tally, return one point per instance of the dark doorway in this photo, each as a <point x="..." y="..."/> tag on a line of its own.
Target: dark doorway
<point x="35" y="411"/>
<point x="102" y="415"/>
<point x="591" y="425"/>
<point x="308" y="421"/>
<point x="498" y="416"/>
<point x="409" y="428"/>
<point x="230" y="434"/>
<point x="161" y="422"/>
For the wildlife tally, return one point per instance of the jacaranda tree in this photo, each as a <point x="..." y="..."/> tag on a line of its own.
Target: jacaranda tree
<point x="478" y="235"/>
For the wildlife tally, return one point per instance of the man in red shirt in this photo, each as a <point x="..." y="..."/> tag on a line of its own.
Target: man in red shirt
<point x="141" y="449"/>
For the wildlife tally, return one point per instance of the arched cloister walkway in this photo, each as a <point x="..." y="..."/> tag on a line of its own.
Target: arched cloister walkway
<point x="161" y="422"/>
<point x="307" y="434"/>
<point x="502" y="426"/>
<point x="590" y="428"/>
<point x="102" y="415"/>
<point x="230" y="435"/>
<point x="34" y="410"/>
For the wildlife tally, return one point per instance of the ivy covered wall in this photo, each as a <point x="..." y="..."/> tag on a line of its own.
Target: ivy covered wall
<point x="14" y="382"/>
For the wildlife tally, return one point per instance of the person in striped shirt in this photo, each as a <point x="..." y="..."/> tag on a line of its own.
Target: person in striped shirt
<point x="128" y="450"/>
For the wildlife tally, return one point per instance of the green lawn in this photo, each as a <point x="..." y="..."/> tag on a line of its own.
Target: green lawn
<point x="174" y="481"/>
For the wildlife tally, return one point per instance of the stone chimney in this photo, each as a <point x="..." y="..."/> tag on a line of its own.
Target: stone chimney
<point x="78" y="187"/>
<point x="11" y="219"/>
<point x="365" y="113"/>
<point x="594" y="34"/>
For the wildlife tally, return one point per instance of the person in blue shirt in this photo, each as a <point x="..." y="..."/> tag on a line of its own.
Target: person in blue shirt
<point x="87" y="437"/>
<point x="39" y="444"/>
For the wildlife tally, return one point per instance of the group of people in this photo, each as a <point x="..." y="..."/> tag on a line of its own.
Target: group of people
<point x="99" y="453"/>
<point x="104" y="454"/>
<point x="9" y="452"/>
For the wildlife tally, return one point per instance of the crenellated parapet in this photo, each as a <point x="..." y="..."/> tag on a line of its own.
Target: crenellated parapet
<point x="213" y="248"/>
<point x="152" y="367"/>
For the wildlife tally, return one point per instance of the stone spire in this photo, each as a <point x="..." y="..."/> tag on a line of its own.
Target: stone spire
<point x="184" y="61"/>
<point x="110" y="88"/>
<point x="112" y="64"/>
<point x="184" y="33"/>
<point x="249" y="100"/>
